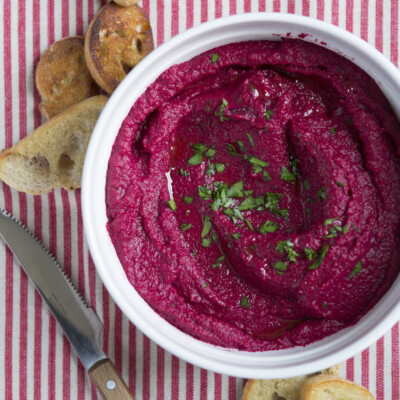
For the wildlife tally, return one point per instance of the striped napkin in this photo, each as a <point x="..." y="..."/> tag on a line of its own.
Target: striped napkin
<point x="35" y="359"/>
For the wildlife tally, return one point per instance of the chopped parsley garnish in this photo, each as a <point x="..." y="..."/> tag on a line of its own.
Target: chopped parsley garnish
<point x="172" y="204"/>
<point x="287" y="247"/>
<point x="266" y="128"/>
<point x="214" y="237"/>
<point x="218" y="262"/>
<point x="310" y="253"/>
<point x="249" y="224"/>
<point x="333" y="131"/>
<point x="252" y="87"/>
<point x="330" y="221"/>
<point x="220" y="167"/>
<point x="206" y="242"/>
<point x="214" y="58"/>
<point x="185" y="227"/>
<point x="204" y="285"/>
<point x="286" y="175"/>
<point x="320" y="258"/>
<point x="340" y="184"/>
<point x="211" y="169"/>
<point x="210" y="153"/>
<point x="280" y="267"/>
<point x="244" y="302"/>
<point x="346" y="229"/>
<point x="232" y="149"/>
<point x="257" y="162"/>
<point x="248" y="204"/>
<point x="206" y="227"/>
<point x="332" y="232"/>
<point x="268" y="226"/>
<point x="241" y="146"/>
<point x="196" y="159"/>
<point x="236" y="235"/>
<point x="188" y="199"/>
<point x="268" y="114"/>
<point x="306" y="185"/>
<point x="204" y="192"/>
<point x="356" y="270"/>
<point x="183" y="172"/>
<point x="322" y="193"/>
<point x="251" y="140"/>
<point x="236" y="190"/>
<point x="354" y="227"/>
<point x="199" y="147"/>
<point x="266" y="176"/>
<point x="221" y="111"/>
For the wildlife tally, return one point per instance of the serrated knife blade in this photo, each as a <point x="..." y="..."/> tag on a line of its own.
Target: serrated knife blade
<point x="79" y="322"/>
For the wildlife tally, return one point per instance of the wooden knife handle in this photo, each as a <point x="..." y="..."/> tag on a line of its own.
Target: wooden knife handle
<point x="108" y="381"/>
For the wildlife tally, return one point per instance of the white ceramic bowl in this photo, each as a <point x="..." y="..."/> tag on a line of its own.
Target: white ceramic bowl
<point x="272" y="364"/>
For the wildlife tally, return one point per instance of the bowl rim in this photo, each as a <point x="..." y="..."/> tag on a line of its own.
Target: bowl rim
<point x="271" y="364"/>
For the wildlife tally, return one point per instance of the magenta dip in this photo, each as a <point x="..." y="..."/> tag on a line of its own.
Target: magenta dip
<point x="253" y="195"/>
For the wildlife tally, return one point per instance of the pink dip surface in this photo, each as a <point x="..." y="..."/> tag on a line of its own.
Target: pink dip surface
<point x="288" y="155"/>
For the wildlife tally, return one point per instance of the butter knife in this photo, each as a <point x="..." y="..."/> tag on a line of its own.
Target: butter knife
<point x="80" y="323"/>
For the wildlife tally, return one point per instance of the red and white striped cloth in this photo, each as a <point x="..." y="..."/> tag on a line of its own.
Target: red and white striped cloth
<point x="35" y="358"/>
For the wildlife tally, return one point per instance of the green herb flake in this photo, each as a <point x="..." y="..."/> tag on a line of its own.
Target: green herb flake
<point x="185" y="227"/>
<point x="322" y="194"/>
<point x="206" y="242"/>
<point x="232" y="149"/>
<point x="249" y="224"/>
<point x="210" y="153"/>
<point x="244" y="302"/>
<point x="332" y="131"/>
<point x="248" y="204"/>
<point x="196" y="159"/>
<point x="320" y="258"/>
<point x="340" y="184"/>
<point x="252" y="87"/>
<point x="221" y="111"/>
<point x="204" y="192"/>
<point x="346" y="229"/>
<point x="286" y="175"/>
<point x="268" y="114"/>
<point x="204" y="285"/>
<point x="280" y="266"/>
<point x="218" y="262"/>
<point x="324" y="304"/>
<point x="267" y="227"/>
<point x="188" y="199"/>
<point x="357" y="269"/>
<point x="206" y="227"/>
<point x="172" y="204"/>
<point x="241" y="146"/>
<point x="330" y="221"/>
<point x="214" y="237"/>
<point x="256" y="161"/>
<point x="214" y="58"/>
<point x="183" y="172"/>
<point x="267" y="176"/>
<point x="354" y="227"/>
<point x="266" y="128"/>
<point x="199" y="147"/>
<point x="306" y="185"/>
<point x="310" y="253"/>
<point x="236" y="235"/>
<point x="236" y="190"/>
<point x="287" y="247"/>
<point x="251" y="140"/>
<point x="220" y="167"/>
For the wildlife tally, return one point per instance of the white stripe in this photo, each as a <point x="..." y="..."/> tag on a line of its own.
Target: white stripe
<point x="182" y="16"/>
<point x="357" y="368"/>
<point x="372" y="369"/>
<point x="357" y="18"/>
<point x="386" y="32"/>
<point x="342" y="14"/>
<point x="44" y="354"/>
<point x="196" y="383"/>
<point x="313" y="8"/>
<point x="125" y="349"/>
<point x="211" y="10"/>
<point x="72" y="17"/>
<point x="153" y="371"/>
<point x="167" y="374"/>
<point x="387" y="369"/>
<point x="139" y="365"/>
<point x="2" y="89"/>
<point x="371" y="22"/>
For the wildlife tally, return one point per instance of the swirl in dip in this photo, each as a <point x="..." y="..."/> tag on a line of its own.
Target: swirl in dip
<point x="253" y="195"/>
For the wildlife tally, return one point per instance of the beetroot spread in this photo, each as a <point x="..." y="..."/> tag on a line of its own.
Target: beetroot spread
<point x="253" y="195"/>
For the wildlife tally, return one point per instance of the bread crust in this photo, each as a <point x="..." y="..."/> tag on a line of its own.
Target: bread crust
<point x="52" y="155"/>
<point x="62" y="77"/>
<point x="118" y="38"/>
<point x="315" y="388"/>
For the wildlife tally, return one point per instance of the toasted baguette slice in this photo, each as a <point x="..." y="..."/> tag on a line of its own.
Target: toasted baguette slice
<point x="333" y="388"/>
<point x="52" y="155"/>
<point x="126" y="3"/>
<point x="117" y="39"/>
<point x="62" y="76"/>
<point x="279" y="389"/>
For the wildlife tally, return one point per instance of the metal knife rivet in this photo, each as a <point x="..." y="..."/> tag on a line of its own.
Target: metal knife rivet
<point x="110" y="384"/>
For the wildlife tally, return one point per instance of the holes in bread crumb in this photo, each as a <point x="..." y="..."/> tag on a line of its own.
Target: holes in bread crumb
<point x="65" y="163"/>
<point x="137" y="44"/>
<point x="125" y="67"/>
<point x="276" y="396"/>
<point x="39" y="162"/>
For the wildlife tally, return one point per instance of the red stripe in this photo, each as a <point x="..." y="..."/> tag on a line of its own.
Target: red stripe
<point x="232" y="388"/>
<point x="50" y="22"/>
<point x="291" y="6"/>
<point x="189" y="381"/>
<point x="65" y="18"/>
<point x="394" y="32"/>
<point x="395" y="360"/>
<point x="118" y="339"/>
<point x="349" y="15"/>
<point x="350" y="369"/>
<point x="276" y="6"/>
<point x="189" y="14"/>
<point x="218" y="8"/>
<point x="365" y="368"/>
<point x="247" y="5"/>
<point x="232" y="7"/>
<point x="204" y="11"/>
<point x="364" y="20"/>
<point x="146" y="368"/>
<point x="79" y="18"/>
<point x="174" y="377"/>
<point x="174" y="18"/>
<point x="217" y="387"/>
<point x="90" y="10"/>
<point x="160" y="372"/>
<point x="306" y="7"/>
<point x="132" y="358"/>
<point x="146" y="7"/>
<point x="203" y="384"/>
<point x="379" y="25"/>
<point x="8" y="103"/>
<point x="335" y="12"/>
<point x="160" y="22"/>
<point x="106" y="318"/>
<point x="92" y="283"/>
<point x="52" y="323"/>
<point x="320" y="9"/>
<point x="380" y="369"/>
